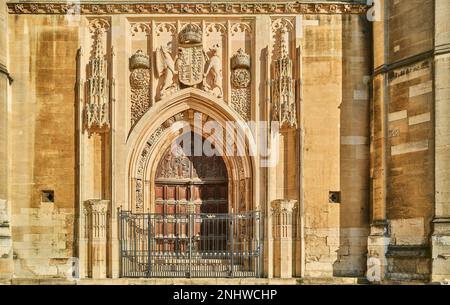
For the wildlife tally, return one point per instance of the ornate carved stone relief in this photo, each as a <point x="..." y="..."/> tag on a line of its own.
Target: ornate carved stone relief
<point x="140" y="85"/>
<point x="191" y="58"/>
<point x="214" y="67"/>
<point x="215" y="7"/>
<point x="215" y="40"/>
<point x="188" y="64"/>
<point x="143" y="159"/>
<point x="240" y="27"/>
<point x="140" y="27"/>
<point x="165" y="67"/>
<point x="241" y="102"/>
<point x="99" y="82"/>
<point x="165" y="56"/>
<point x="240" y="79"/>
<point x="284" y="108"/>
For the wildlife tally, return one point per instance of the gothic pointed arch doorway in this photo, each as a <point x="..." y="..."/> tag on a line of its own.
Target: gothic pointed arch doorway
<point x="196" y="225"/>
<point x="190" y="183"/>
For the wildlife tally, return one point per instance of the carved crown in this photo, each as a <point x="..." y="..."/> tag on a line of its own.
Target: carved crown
<point x="139" y="60"/>
<point x="240" y="60"/>
<point x="190" y="34"/>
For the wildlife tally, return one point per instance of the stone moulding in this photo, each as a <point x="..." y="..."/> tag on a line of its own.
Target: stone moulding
<point x="160" y="7"/>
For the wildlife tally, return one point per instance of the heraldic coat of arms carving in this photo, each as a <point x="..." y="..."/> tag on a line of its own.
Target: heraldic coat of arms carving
<point x="191" y="57"/>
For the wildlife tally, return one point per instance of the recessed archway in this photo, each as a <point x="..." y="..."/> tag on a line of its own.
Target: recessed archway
<point x="182" y="231"/>
<point x="150" y="141"/>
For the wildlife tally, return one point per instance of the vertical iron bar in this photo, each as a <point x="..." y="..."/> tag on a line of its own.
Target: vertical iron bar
<point x="232" y="244"/>
<point x="190" y="243"/>
<point x="148" y="245"/>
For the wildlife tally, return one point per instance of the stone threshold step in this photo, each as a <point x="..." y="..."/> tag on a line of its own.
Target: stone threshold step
<point x="185" y="281"/>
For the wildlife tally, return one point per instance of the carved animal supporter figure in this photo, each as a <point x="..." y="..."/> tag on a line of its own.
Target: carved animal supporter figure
<point x="214" y="66"/>
<point x="165" y="67"/>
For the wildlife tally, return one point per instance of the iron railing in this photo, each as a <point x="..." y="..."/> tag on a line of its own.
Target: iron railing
<point x="190" y="245"/>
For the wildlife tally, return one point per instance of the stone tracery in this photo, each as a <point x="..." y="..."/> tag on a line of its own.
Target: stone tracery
<point x="99" y="84"/>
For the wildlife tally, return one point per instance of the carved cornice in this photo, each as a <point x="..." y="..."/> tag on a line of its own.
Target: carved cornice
<point x="99" y="8"/>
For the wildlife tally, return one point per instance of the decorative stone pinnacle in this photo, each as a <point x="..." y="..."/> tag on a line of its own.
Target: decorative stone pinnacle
<point x="284" y="43"/>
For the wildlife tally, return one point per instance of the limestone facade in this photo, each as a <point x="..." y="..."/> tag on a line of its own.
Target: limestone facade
<point x="89" y="92"/>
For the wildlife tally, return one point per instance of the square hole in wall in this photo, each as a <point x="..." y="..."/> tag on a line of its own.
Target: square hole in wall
<point x="334" y="197"/>
<point x="48" y="196"/>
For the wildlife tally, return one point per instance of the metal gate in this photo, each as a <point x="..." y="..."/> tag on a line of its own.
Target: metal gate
<point x="190" y="245"/>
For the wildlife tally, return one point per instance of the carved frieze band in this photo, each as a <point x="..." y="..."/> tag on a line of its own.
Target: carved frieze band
<point x="186" y="8"/>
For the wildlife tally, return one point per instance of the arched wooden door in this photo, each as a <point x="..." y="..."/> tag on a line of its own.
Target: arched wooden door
<point x="185" y="179"/>
<point x="186" y="185"/>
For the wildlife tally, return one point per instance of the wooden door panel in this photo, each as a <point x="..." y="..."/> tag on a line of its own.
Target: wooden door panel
<point x="170" y="192"/>
<point x="183" y="192"/>
<point x="159" y="192"/>
<point x="183" y="180"/>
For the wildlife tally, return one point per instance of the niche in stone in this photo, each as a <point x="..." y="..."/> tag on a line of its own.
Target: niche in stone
<point x="334" y="197"/>
<point x="48" y="196"/>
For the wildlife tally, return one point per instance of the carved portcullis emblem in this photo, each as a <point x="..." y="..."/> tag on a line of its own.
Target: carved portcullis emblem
<point x="191" y="57"/>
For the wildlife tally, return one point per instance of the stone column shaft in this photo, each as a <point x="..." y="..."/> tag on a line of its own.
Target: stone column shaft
<point x="97" y="220"/>
<point x="282" y="220"/>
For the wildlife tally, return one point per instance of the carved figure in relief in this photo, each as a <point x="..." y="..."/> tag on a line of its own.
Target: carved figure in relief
<point x="214" y="66"/>
<point x="165" y="67"/>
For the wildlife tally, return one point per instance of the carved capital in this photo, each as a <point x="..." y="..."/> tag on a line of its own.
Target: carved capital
<point x="97" y="206"/>
<point x="283" y="206"/>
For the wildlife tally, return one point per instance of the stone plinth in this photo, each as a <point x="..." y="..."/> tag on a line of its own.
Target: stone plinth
<point x="440" y="255"/>
<point x="377" y="246"/>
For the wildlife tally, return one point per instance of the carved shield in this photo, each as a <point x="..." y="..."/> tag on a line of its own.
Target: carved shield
<point x="191" y="62"/>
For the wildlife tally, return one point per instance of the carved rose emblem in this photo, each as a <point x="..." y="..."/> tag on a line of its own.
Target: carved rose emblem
<point x="241" y="78"/>
<point x="140" y="78"/>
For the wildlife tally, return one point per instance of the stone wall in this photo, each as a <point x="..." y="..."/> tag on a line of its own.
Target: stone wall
<point x="441" y="230"/>
<point x="403" y="148"/>
<point x="41" y="142"/>
<point x="5" y="232"/>
<point x="336" y="144"/>
<point x="385" y="158"/>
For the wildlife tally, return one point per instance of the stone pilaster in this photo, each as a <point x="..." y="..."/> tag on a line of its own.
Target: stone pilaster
<point x="282" y="220"/>
<point x="441" y="224"/>
<point x="97" y="212"/>
<point x="378" y="240"/>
